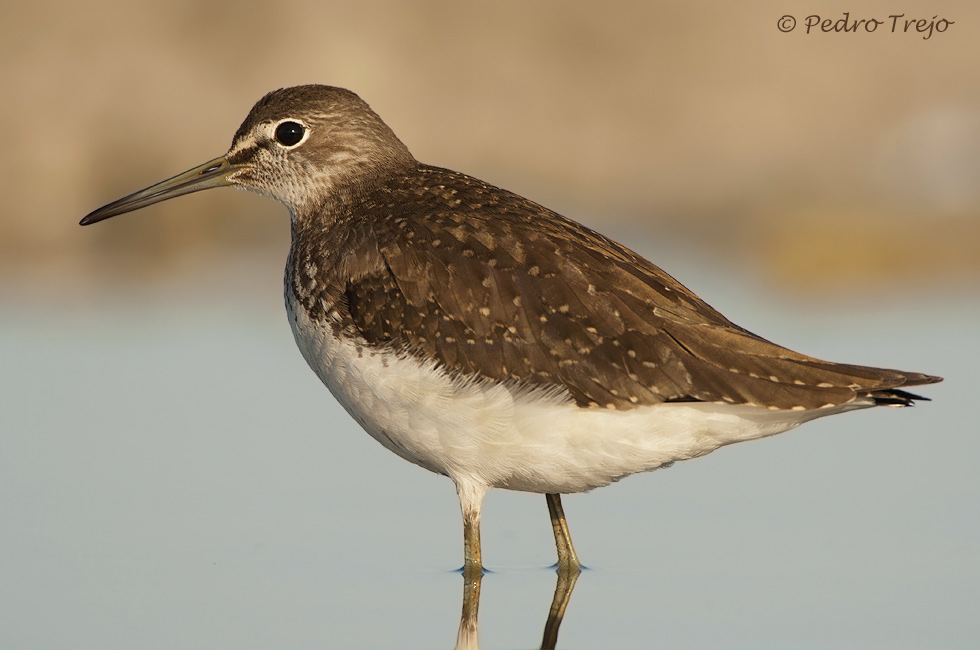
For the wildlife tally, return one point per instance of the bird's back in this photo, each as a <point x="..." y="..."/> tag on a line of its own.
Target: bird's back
<point x="446" y="267"/>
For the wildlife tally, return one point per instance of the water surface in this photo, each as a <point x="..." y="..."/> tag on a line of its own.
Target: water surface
<point x="173" y="475"/>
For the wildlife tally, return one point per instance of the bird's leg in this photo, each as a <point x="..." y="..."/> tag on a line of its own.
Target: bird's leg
<point x="471" y="501"/>
<point x="567" y="560"/>
<point x="472" y="559"/>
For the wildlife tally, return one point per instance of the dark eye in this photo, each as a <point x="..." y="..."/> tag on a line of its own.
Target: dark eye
<point x="289" y="133"/>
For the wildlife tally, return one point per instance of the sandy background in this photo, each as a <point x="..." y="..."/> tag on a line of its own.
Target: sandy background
<point x="820" y="161"/>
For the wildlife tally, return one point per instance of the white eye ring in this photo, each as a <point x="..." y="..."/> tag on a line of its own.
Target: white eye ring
<point x="290" y="132"/>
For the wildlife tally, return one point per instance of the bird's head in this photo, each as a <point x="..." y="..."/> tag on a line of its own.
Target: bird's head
<point x="300" y="146"/>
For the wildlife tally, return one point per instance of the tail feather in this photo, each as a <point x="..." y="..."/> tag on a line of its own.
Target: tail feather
<point x="896" y="397"/>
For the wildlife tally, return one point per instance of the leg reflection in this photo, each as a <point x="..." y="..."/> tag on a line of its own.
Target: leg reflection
<point x="563" y="593"/>
<point x="467" y="638"/>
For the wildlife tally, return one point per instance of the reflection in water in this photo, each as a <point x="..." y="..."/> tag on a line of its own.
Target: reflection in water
<point x="467" y="637"/>
<point x="563" y="593"/>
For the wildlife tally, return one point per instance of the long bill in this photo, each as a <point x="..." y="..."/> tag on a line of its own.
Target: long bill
<point x="214" y="173"/>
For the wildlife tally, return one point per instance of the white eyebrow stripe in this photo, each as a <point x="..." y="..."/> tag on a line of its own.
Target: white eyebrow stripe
<point x="242" y="145"/>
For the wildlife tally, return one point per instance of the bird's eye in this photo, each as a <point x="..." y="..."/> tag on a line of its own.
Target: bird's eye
<point x="289" y="133"/>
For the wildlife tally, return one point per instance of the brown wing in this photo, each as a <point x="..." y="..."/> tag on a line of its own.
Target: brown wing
<point x="491" y="284"/>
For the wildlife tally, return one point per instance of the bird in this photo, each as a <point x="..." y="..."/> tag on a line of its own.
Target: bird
<point x="489" y="339"/>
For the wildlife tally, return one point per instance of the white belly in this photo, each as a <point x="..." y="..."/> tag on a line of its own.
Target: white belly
<point x="530" y="440"/>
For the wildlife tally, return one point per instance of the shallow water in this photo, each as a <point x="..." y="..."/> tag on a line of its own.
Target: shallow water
<point x="173" y="475"/>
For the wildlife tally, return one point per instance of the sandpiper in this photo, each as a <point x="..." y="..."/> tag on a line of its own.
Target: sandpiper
<point x="489" y="339"/>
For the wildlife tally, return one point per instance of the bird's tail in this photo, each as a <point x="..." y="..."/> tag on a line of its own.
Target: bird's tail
<point x="896" y="397"/>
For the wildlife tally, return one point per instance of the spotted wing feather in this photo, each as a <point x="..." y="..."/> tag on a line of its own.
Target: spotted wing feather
<point x="490" y="284"/>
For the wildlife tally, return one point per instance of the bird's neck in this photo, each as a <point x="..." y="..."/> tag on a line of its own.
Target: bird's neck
<point x="344" y="193"/>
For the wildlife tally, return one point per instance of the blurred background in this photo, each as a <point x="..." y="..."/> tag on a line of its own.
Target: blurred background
<point x="819" y="160"/>
<point x="171" y="474"/>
